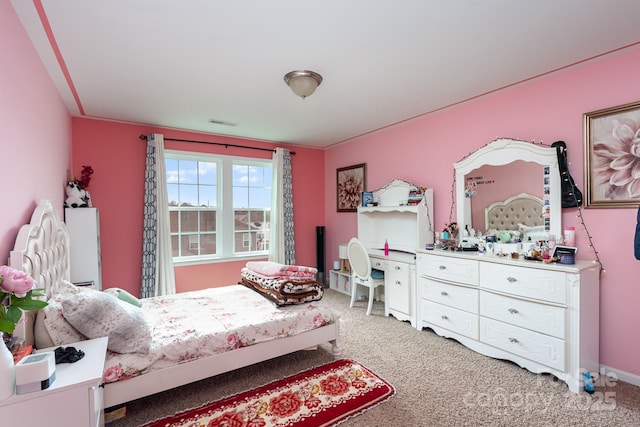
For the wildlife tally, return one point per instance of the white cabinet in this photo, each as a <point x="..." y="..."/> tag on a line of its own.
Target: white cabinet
<point x="405" y="228"/>
<point x="340" y="281"/>
<point x="544" y="317"/>
<point x="83" y="225"/>
<point x="73" y="400"/>
<point x="399" y="283"/>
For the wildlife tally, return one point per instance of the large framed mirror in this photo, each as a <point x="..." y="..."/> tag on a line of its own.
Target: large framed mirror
<point x="509" y="182"/>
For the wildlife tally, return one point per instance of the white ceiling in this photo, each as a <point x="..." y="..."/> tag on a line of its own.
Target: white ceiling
<point x="183" y="63"/>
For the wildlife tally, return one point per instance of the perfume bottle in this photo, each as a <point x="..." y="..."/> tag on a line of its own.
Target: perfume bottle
<point x="386" y="248"/>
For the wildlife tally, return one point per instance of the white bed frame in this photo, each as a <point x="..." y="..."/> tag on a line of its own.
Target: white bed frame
<point x="42" y="251"/>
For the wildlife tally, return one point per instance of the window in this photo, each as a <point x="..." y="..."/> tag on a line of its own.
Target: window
<point x="219" y="206"/>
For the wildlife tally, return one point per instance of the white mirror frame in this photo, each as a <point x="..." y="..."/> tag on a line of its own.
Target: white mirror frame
<point x="503" y="151"/>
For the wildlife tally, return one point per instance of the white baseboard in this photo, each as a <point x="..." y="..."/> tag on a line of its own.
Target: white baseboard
<point x="627" y="377"/>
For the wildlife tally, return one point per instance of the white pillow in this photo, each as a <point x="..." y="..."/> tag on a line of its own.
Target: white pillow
<point x="96" y="314"/>
<point x="51" y="328"/>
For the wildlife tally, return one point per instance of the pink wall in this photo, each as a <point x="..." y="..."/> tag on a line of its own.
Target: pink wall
<point x="117" y="156"/>
<point x="544" y="110"/>
<point x="35" y="146"/>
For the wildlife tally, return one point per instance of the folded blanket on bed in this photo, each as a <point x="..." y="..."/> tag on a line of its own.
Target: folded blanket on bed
<point x="283" y="291"/>
<point x="268" y="268"/>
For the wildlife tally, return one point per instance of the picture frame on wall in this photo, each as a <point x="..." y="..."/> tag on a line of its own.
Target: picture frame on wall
<point x="350" y="183"/>
<point x="611" y="137"/>
<point x="367" y="198"/>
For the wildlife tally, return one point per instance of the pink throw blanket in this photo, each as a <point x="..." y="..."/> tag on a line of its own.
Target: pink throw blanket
<point x="274" y="269"/>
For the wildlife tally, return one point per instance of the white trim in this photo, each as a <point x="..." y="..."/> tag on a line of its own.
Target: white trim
<point x="627" y="377"/>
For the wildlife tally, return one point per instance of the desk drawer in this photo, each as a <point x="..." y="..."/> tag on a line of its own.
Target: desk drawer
<point x="544" y="285"/>
<point x="377" y="264"/>
<point x="546" y="319"/>
<point x="459" y="297"/>
<point x="546" y="350"/>
<point x="451" y="269"/>
<point x="450" y="318"/>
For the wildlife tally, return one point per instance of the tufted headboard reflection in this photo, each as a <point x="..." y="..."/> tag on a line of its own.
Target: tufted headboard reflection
<point x="42" y="251"/>
<point x="521" y="209"/>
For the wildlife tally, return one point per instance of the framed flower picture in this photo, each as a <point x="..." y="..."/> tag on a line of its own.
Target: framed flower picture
<point x="612" y="145"/>
<point x="350" y="183"/>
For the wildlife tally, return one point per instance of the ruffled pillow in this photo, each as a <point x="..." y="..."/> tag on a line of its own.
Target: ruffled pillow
<point x="51" y="327"/>
<point x="97" y="314"/>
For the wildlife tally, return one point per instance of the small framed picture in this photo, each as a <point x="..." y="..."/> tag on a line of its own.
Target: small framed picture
<point x="350" y="183"/>
<point x="367" y="198"/>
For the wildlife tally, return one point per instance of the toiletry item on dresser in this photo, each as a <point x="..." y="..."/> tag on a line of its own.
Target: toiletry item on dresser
<point x="570" y="236"/>
<point x="552" y="242"/>
<point x="386" y="248"/>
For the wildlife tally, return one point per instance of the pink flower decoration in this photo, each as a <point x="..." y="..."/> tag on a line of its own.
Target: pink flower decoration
<point x="15" y="282"/>
<point x="618" y="160"/>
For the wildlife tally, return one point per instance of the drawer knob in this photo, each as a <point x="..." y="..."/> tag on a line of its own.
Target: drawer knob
<point x="443" y="293"/>
<point x="444" y="317"/>
<point x="513" y="340"/>
<point x="442" y="267"/>
<point x="513" y="311"/>
<point x="398" y="282"/>
<point x="511" y="279"/>
<point x="397" y="267"/>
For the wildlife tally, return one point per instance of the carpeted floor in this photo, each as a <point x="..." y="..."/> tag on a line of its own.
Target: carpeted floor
<point x="438" y="381"/>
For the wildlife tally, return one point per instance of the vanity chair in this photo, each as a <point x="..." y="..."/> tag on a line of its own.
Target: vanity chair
<point x="362" y="273"/>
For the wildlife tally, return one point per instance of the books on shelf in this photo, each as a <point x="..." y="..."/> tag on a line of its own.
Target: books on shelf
<point x="415" y="197"/>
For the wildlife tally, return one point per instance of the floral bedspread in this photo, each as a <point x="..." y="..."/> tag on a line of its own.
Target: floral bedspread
<point x="192" y="325"/>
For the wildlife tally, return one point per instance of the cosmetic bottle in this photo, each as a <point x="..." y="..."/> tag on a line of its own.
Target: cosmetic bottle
<point x="386" y="248"/>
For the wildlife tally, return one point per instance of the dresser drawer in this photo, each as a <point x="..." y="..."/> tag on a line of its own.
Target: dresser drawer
<point x="450" y="318"/>
<point x="452" y="269"/>
<point x="546" y="319"/>
<point x="526" y="282"/>
<point x="543" y="349"/>
<point x="459" y="297"/>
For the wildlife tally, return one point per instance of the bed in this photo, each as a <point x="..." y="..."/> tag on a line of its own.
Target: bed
<point x="42" y="250"/>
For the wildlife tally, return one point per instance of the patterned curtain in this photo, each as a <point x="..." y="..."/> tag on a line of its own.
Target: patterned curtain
<point x="282" y="243"/>
<point x="158" y="277"/>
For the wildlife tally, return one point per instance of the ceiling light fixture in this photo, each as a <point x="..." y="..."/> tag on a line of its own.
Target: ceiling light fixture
<point x="303" y="83"/>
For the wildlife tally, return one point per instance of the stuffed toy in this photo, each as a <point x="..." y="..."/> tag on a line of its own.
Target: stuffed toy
<point x="75" y="196"/>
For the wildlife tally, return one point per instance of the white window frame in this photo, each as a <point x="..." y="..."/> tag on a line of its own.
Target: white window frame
<point x="225" y="233"/>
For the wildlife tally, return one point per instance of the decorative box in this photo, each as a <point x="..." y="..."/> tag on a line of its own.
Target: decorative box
<point x="35" y="372"/>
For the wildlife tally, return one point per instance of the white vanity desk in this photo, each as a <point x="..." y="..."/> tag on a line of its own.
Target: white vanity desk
<point x="405" y="228"/>
<point x="544" y="317"/>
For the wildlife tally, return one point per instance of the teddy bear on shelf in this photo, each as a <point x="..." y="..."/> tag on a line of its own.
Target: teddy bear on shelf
<point x="76" y="197"/>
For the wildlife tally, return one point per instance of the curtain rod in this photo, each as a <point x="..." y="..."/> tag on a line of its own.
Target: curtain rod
<point x="225" y="145"/>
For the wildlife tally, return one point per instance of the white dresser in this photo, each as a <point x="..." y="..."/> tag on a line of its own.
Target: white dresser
<point x="544" y="317"/>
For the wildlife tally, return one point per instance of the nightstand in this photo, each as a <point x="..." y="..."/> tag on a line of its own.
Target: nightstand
<point x="74" y="398"/>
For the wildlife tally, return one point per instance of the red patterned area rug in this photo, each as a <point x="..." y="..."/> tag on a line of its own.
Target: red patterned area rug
<point x="323" y="396"/>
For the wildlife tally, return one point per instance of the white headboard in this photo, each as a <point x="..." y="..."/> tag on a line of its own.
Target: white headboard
<point x="521" y="209"/>
<point x="42" y="251"/>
